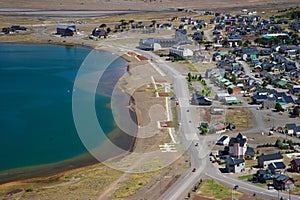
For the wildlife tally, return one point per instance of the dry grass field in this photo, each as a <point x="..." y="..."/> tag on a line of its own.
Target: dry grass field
<point x="141" y="4"/>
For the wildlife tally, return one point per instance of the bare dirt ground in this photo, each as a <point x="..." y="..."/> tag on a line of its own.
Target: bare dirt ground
<point x="139" y="4"/>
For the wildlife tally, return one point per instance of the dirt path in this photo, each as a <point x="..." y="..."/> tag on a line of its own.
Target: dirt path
<point x="70" y="182"/>
<point x="114" y="185"/>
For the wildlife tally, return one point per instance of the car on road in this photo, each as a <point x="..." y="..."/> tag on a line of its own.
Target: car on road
<point x="194" y="170"/>
<point x="270" y="187"/>
<point x="271" y="133"/>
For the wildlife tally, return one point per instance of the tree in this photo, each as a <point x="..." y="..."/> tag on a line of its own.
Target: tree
<point x="131" y="21"/>
<point x="102" y="26"/>
<point x="140" y="24"/>
<point x="153" y="22"/>
<point x="199" y="77"/>
<point x="189" y="77"/>
<point x="246" y="43"/>
<point x="225" y="43"/>
<point x="189" y="195"/>
<point x="278" y="107"/>
<point x="108" y="30"/>
<point x="278" y="143"/>
<point x="296" y="111"/>
<point x="233" y="78"/>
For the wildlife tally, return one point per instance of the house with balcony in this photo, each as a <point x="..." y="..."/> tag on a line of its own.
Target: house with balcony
<point x="264" y="160"/>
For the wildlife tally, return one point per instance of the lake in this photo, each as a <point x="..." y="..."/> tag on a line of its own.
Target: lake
<point x="37" y="131"/>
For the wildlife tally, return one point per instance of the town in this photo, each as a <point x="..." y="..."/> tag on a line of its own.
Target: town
<point x="242" y="75"/>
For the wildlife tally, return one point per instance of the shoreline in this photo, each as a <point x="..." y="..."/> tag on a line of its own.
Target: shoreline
<point x="37" y="172"/>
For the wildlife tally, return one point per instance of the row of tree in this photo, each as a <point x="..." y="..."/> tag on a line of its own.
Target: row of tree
<point x="292" y="38"/>
<point x="191" y="77"/>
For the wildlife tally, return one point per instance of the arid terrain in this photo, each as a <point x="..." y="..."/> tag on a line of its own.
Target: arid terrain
<point x="131" y="5"/>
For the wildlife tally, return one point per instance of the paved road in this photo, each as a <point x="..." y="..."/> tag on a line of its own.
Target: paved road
<point x="245" y="186"/>
<point x="199" y="155"/>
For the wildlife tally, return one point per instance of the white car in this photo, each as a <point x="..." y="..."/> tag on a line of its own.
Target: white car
<point x="270" y="187"/>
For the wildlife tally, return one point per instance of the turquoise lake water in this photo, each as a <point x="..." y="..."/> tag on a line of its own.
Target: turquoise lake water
<point x="36" y="84"/>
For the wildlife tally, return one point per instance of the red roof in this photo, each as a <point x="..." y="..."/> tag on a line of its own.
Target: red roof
<point x="131" y="53"/>
<point x="219" y="126"/>
<point x="163" y="94"/>
<point x="236" y="90"/>
<point x="141" y="57"/>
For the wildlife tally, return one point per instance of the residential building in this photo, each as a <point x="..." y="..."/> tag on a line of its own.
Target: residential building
<point x="218" y="128"/>
<point x="297" y="131"/>
<point x="150" y="44"/>
<point x="99" y="33"/>
<point x="289" y="128"/>
<point x="238" y="146"/>
<point x="200" y="100"/>
<point x="181" y="51"/>
<point x="277" y="167"/>
<point x="235" y="165"/>
<point x="295" y="90"/>
<point x="220" y="96"/>
<point x="262" y="176"/>
<point x="224" y="140"/>
<point x="231" y="100"/>
<point x="282" y="182"/>
<point x="66" y="30"/>
<point x="295" y="165"/>
<point x="250" y="153"/>
<point x="264" y="160"/>
<point x="13" y="29"/>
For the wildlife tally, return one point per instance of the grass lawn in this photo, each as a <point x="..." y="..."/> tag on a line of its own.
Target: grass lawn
<point x="191" y="67"/>
<point x="215" y="190"/>
<point x="245" y="177"/>
<point x="250" y="163"/>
